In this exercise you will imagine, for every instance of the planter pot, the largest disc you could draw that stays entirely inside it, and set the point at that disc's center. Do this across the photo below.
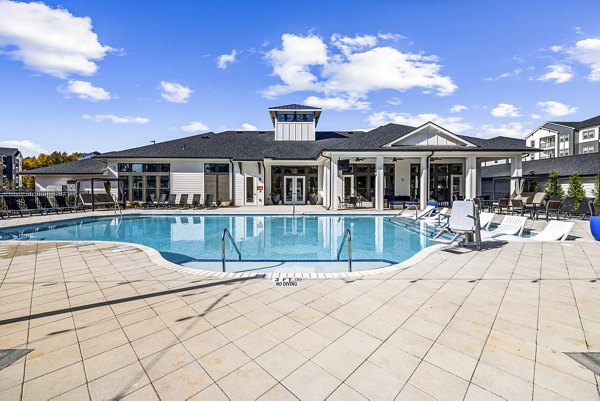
(313, 199)
(275, 199)
(595, 227)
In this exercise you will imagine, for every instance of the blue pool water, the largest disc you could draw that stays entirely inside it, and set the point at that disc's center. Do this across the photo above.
(267, 243)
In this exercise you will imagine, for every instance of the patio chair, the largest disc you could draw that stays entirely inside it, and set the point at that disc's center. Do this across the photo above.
(61, 201)
(517, 207)
(353, 200)
(342, 202)
(150, 200)
(209, 200)
(46, 205)
(552, 209)
(591, 208)
(510, 225)
(183, 201)
(463, 222)
(171, 201)
(12, 206)
(583, 211)
(196, 200)
(566, 208)
(31, 204)
(485, 219)
(554, 231)
(502, 206)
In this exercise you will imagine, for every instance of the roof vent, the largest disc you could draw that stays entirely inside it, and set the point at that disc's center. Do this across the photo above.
(261, 132)
(239, 132)
(205, 137)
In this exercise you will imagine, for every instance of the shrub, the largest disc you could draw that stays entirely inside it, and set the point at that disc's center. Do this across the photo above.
(576, 189)
(596, 189)
(552, 187)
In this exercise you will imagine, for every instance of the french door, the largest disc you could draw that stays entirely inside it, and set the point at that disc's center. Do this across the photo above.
(294, 189)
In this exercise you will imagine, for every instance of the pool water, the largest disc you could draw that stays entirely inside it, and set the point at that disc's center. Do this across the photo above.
(267, 243)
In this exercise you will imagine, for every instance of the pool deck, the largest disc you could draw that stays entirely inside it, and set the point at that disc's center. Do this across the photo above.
(103, 321)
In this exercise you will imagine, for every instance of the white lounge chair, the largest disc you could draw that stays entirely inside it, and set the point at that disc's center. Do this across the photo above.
(414, 214)
(554, 231)
(440, 217)
(463, 220)
(485, 219)
(511, 225)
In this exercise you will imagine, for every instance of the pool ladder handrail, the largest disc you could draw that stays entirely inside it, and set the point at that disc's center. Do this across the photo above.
(228, 234)
(348, 236)
(117, 205)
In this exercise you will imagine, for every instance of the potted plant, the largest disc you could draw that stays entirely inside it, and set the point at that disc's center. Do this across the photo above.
(595, 220)
(275, 196)
(313, 196)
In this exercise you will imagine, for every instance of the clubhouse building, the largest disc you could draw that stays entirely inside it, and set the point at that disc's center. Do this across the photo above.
(300, 164)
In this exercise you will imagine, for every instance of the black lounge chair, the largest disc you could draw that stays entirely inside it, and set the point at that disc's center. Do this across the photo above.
(105, 199)
(47, 206)
(183, 201)
(162, 200)
(31, 204)
(196, 200)
(171, 201)
(61, 201)
(208, 201)
(150, 200)
(12, 206)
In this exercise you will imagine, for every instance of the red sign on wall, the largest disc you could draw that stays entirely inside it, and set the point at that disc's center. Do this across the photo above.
(259, 188)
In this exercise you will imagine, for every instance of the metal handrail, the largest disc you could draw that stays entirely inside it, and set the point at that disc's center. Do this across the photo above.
(347, 235)
(118, 206)
(226, 231)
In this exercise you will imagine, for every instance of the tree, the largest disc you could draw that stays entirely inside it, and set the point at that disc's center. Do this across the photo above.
(576, 189)
(552, 187)
(44, 160)
(596, 189)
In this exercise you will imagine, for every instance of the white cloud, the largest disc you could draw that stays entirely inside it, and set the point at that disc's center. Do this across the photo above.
(578, 30)
(587, 52)
(48, 40)
(175, 92)
(225, 59)
(513, 73)
(505, 110)
(452, 124)
(115, 119)
(559, 73)
(194, 126)
(390, 36)
(513, 130)
(336, 103)
(556, 109)
(348, 45)
(86, 91)
(536, 116)
(306, 63)
(556, 48)
(26, 147)
(395, 101)
(458, 108)
(248, 127)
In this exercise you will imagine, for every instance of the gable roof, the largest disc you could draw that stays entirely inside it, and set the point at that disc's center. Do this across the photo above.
(585, 165)
(294, 106)
(9, 151)
(83, 166)
(435, 126)
(590, 122)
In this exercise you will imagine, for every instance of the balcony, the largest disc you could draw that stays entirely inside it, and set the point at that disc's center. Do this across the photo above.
(547, 145)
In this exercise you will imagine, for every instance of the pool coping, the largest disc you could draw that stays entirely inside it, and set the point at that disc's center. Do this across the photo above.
(156, 258)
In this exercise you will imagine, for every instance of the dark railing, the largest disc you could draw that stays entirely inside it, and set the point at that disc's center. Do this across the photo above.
(69, 196)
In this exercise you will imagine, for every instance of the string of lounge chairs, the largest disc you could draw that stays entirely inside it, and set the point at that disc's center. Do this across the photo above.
(170, 201)
(32, 204)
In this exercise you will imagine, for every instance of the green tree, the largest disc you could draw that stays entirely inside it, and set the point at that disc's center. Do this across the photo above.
(596, 189)
(552, 187)
(576, 189)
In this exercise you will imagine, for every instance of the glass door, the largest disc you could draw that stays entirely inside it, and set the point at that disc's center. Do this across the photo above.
(457, 187)
(348, 186)
(250, 194)
(294, 189)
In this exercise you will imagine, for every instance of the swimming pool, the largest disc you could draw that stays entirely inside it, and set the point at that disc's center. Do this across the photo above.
(267, 243)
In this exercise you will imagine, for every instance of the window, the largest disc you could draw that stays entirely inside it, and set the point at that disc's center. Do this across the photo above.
(142, 180)
(308, 118)
(124, 167)
(136, 168)
(588, 149)
(299, 117)
(281, 118)
(532, 143)
(216, 167)
(290, 117)
(588, 134)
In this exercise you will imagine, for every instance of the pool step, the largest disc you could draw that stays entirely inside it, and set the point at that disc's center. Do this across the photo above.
(303, 266)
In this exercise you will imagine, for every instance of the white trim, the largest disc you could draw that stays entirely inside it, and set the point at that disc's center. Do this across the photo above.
(427, 125)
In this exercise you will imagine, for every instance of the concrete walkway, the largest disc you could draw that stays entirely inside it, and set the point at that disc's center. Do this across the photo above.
(102, 321)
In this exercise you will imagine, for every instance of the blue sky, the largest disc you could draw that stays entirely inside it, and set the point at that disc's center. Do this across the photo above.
(104, 75)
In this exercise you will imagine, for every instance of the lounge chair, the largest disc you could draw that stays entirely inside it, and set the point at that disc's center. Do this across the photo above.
(517, 207)
(510, 225)
(196, 200)
(413, 213)
(503, 205)
(162, 200)
(105, 199)
(552, 209)
(12, 206)
(554, 231)
(61, 201)
(208, 201)
(183, 201)
(485, 219)
(463, 222)
(31, 204)
(170, 201)
(47, 206)
(150, 200)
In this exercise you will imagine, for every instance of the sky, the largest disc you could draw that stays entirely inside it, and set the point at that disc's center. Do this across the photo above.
(110, 75)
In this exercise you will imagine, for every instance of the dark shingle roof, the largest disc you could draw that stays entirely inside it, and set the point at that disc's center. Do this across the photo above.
(9, 151)
(590, 122)
(585, 165)
(294, 107)
(84, 166)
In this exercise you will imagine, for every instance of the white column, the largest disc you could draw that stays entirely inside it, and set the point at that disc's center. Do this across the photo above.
(333, 180)
(379, 183)
(470, 177)
(424, 184)
(516, 172)
(478, 185)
